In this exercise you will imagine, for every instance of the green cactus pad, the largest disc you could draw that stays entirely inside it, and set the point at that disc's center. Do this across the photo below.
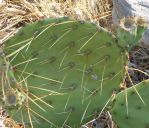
(133, 30)
(7, 79)
(66, 71)
(136, 114)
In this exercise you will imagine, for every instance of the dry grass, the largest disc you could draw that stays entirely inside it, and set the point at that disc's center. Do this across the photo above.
(16, 13)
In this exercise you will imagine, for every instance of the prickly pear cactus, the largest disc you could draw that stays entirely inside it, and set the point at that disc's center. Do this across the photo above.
(65, 71)
(131, 107)
(7, 81)
(131, 26)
